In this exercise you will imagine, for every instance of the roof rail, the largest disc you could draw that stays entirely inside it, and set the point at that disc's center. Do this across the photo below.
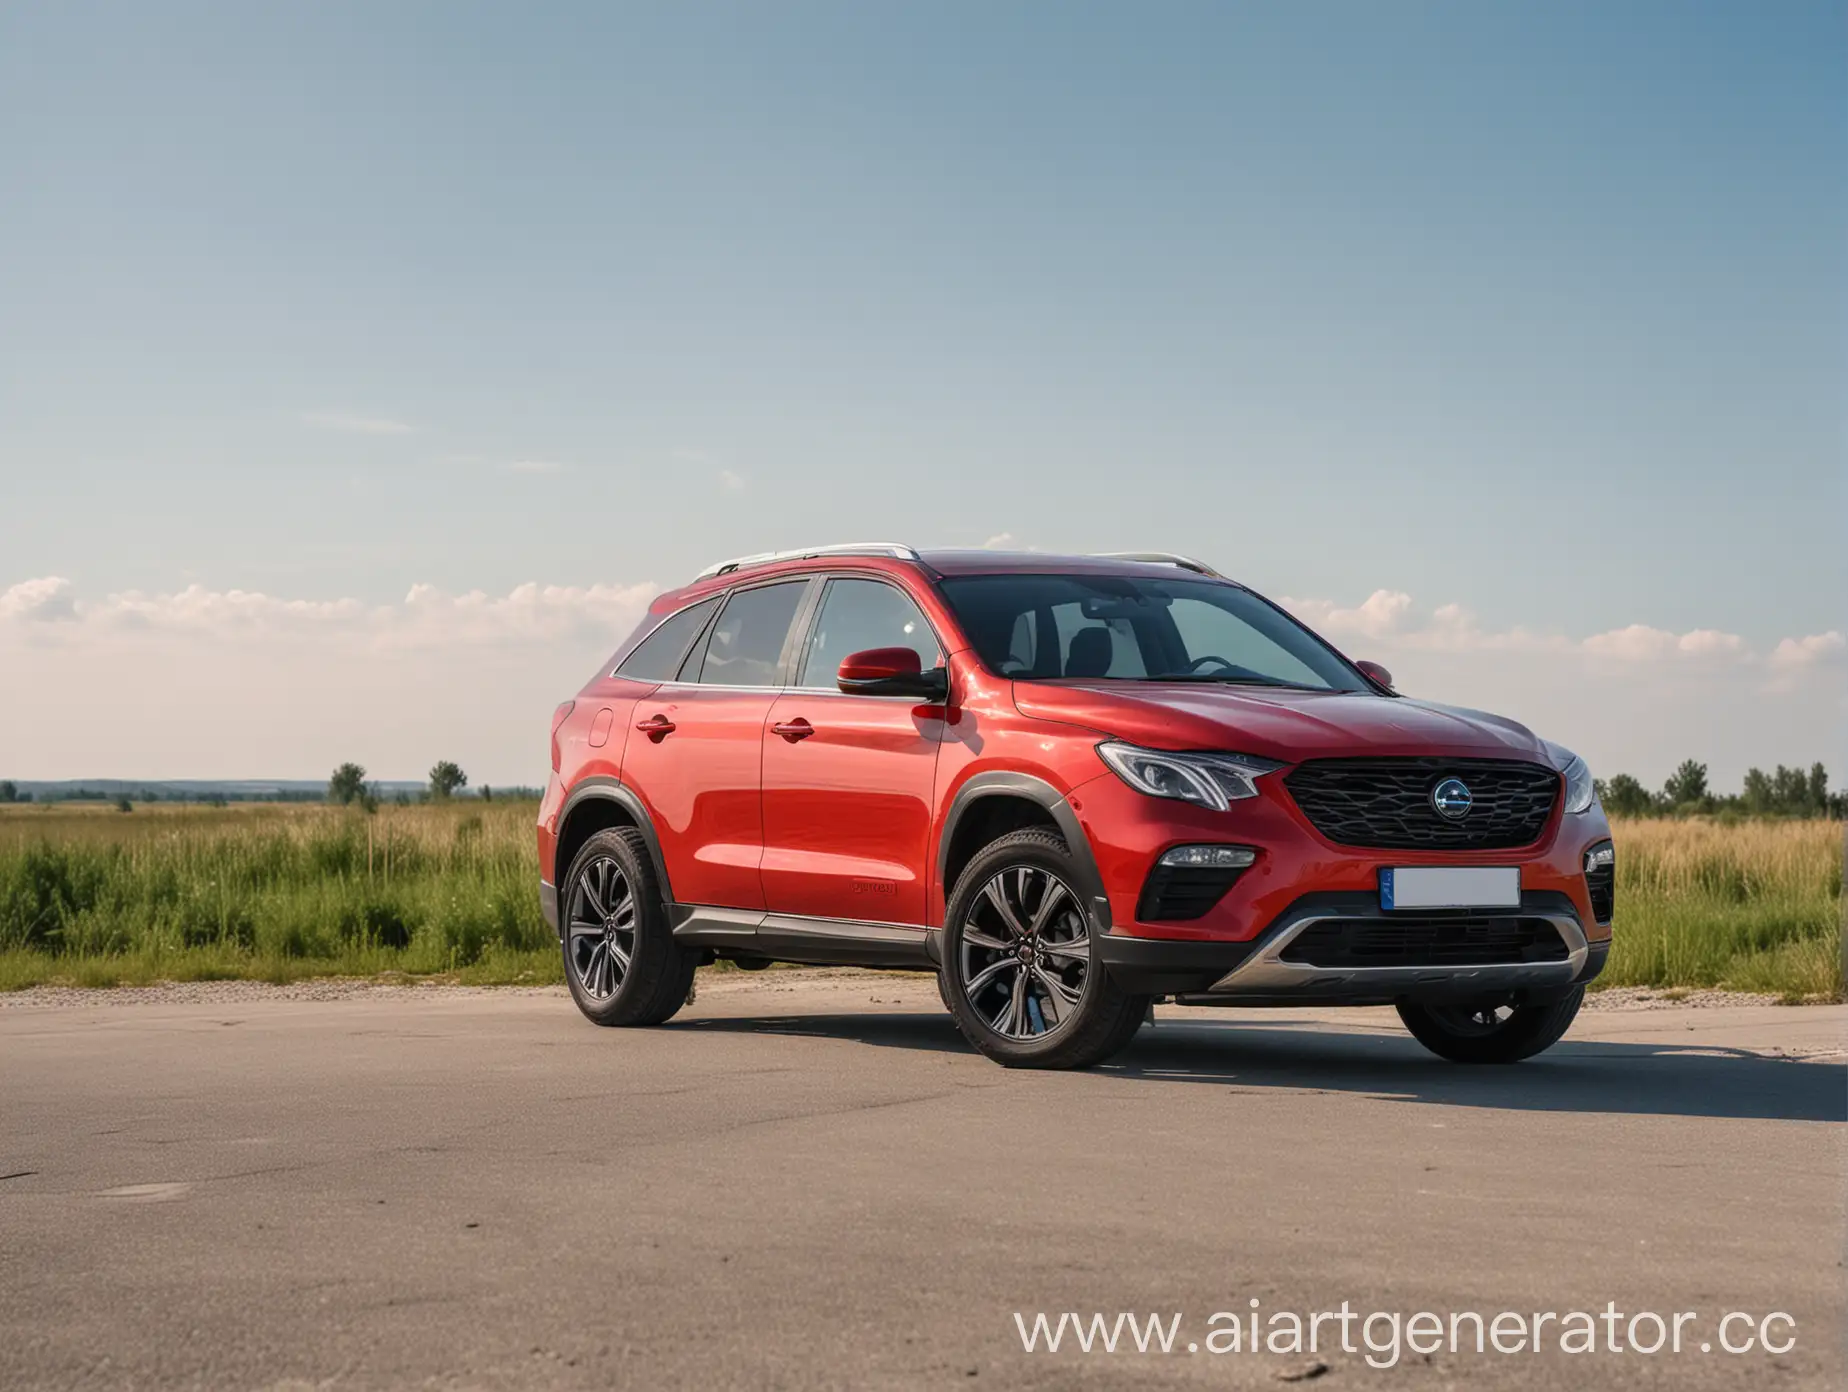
(803, 553)
(1164, 558)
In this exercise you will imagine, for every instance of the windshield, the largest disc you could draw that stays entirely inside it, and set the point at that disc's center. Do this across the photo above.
(1043, 627)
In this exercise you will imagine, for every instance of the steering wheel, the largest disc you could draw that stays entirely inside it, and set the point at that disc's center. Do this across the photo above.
(1200, 662)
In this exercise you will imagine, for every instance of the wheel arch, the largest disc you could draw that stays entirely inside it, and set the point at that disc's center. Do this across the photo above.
(990, 805)
(599, 804)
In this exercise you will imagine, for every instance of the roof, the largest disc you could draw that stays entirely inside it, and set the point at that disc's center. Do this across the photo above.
(950, 561)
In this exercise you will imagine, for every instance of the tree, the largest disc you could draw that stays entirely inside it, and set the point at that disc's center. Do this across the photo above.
(445, 778)
(1688, 784)
(9, 791)
(487, 793)
(1758, 796)
(124, 805)
(1623, 796)
(348, 785)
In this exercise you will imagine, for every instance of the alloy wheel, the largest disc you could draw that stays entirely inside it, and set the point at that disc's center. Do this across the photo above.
(602, 926)
(1026, 953)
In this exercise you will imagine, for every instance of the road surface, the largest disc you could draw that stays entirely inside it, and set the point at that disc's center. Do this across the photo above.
(808, 1180)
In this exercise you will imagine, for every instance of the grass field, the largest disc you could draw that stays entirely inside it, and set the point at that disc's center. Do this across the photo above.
(90, 896)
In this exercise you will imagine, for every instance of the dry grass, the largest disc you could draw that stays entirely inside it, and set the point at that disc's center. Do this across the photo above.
(280, 891)
(1755, 906)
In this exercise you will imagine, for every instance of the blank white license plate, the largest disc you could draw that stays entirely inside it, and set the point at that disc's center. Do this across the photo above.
(1451, 887)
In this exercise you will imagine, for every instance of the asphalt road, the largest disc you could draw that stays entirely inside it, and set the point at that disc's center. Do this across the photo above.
(812, 1182)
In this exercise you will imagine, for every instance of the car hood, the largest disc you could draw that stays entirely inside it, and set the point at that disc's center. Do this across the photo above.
(1274, 722)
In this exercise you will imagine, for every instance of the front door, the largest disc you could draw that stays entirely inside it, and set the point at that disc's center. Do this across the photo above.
(848, 779)
(695, 756)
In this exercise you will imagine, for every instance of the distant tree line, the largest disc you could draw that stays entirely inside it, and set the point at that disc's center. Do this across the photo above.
(1784, 792)
(348, 787)
(10, 792)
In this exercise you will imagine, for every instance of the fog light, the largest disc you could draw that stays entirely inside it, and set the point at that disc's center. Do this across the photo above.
(1210, 857)
(1600, 857)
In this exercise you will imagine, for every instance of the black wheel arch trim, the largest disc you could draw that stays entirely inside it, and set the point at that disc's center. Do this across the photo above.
(608, 789)
(1006, 783)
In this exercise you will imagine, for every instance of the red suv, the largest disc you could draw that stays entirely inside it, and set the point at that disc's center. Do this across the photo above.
(1069, 786)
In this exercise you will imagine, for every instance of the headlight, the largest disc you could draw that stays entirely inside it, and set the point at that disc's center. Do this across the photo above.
(1215, 781)
(1580, 791)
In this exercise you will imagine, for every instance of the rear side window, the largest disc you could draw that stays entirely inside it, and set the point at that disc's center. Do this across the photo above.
(745, 647)
(862, 614)
(657, 657)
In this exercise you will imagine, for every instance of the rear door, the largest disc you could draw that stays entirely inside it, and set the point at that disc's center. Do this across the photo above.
(695, 754)
(848, 779)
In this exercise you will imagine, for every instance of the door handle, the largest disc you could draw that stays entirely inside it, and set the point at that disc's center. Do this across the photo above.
(793, 730)
(656, 727)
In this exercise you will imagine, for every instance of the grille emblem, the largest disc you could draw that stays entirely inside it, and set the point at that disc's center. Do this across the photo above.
(1452, 799)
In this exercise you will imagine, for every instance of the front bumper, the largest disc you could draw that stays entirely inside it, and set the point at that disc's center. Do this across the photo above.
(1128, 832)
(1257, 972)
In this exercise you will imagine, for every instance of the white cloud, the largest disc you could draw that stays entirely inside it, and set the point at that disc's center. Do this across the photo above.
(1641, 643)
(42, 600)
(732, 481)
(355, 424)
(1000, 541)
(535, 466)
(230, 682)
(1382, 613)
(427, 617)
(1796, 654)
(209, 683)
(1388, 620)
(526, 613)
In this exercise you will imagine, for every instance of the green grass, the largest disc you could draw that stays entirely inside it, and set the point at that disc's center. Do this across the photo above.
(92, 897)
(1755, 906)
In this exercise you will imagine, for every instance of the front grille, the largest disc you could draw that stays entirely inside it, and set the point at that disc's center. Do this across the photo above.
(1602, 883)
(1386, 803)
(1174, 892)
(1445, 942)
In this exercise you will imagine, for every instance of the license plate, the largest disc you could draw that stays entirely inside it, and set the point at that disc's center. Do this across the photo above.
(1451, 887)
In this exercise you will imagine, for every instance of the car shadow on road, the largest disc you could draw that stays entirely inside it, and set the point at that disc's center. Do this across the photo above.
(1645, 1079)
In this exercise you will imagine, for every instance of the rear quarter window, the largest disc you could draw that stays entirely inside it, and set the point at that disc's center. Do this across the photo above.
(657, 657)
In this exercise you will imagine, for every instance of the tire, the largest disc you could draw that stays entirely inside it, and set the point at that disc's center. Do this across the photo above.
(647, 975)
(1465, 1033)
(1005, 1004)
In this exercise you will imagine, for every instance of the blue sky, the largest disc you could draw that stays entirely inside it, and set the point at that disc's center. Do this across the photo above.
(1535, 310)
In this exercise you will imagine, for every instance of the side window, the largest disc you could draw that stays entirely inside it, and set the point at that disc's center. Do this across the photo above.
(657, 657)
(861, 614)
(745, 647)
(1097, 647)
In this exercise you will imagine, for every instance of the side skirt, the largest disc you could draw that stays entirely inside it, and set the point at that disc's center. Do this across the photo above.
(820, 942)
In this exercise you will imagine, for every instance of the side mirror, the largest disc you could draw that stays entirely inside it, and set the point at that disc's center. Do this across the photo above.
(1374, 672)
(892, 672)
